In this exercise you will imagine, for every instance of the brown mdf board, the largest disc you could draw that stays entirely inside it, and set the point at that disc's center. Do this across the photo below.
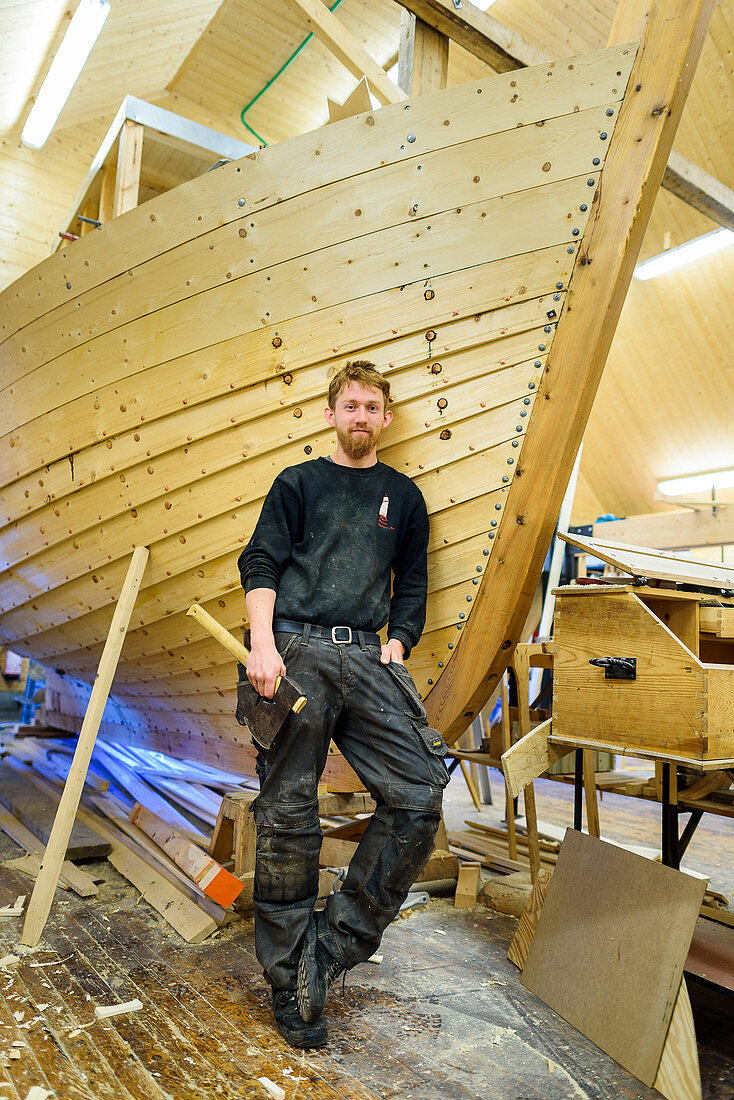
(609, 949)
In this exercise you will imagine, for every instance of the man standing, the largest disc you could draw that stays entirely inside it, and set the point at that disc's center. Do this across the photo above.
(317, 579)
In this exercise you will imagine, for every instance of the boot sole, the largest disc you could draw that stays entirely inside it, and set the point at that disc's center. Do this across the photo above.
(308, 1009)
(296, 1040)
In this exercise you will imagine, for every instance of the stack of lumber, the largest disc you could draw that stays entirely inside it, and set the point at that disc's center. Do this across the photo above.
(489, 845)
(150, 814)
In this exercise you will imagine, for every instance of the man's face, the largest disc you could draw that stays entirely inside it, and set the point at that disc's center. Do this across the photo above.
(359, 415)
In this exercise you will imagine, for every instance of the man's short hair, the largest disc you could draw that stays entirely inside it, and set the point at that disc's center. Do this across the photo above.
(362, 371)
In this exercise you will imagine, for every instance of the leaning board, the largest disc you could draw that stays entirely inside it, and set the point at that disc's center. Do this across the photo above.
(610, 946)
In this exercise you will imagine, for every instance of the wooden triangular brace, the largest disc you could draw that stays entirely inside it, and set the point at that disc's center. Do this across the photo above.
(356, 102)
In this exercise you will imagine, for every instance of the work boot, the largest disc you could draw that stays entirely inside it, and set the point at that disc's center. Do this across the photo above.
(291, 1024)
(317, 969)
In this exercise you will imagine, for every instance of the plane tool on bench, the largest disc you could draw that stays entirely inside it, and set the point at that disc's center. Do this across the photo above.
(265, 716)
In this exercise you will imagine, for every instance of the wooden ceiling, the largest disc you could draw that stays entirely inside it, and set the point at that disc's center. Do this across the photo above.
(663, 408)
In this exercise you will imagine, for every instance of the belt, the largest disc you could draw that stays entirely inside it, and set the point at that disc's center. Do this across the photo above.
(339, 635)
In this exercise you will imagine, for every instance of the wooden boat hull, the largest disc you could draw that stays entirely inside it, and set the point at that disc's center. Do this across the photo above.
(158, 373)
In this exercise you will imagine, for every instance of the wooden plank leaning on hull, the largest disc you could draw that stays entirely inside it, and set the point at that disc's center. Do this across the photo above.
(43, 891)
(304, 163)
(663, 70)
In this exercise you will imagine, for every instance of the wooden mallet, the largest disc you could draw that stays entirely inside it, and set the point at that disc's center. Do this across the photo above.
(265, 716)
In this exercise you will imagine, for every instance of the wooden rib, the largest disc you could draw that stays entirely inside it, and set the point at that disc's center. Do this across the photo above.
(639, 148)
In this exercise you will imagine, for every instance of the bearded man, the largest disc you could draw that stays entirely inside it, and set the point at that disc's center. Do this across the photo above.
(317, 578)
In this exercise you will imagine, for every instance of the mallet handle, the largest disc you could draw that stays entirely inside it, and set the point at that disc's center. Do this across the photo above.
(217, 631)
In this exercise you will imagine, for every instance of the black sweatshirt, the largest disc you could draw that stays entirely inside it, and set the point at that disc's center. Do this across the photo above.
(327, 540)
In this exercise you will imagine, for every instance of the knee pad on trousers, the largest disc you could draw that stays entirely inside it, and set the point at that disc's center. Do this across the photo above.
(287, 852)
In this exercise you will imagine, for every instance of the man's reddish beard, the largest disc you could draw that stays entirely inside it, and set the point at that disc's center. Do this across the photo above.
(357, 446)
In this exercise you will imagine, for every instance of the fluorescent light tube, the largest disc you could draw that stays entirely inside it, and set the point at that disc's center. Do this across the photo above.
(697, 483)
(71, 56)
(685, 253)
(482, 4)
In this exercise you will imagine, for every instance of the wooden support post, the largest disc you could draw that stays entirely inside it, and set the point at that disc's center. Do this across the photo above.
(245, 839)
(471, 785)
(592, 809)
(43, 891)
(106, 194)
(129, 159)
(423, 57)
(506, 743)
(639, 148)
(521, 669)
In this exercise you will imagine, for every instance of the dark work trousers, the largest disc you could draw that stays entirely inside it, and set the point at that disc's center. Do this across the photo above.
(373, 713)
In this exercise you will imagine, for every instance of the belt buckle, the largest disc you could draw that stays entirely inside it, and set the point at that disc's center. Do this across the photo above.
(341, 641)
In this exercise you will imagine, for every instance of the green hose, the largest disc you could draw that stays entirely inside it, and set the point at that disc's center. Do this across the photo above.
(272, 80)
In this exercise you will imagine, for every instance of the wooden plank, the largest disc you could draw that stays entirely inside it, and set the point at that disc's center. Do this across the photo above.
(679, 1076)
(518, 950)
(600, 930)
(530, 757)
(107, 194)
(471, 785)
(142, 792)
(423, 56)
(638, 151)
(215, 881)
(129, 160)
(662, 565)
(245, 837)
(37, 813)
(71, 876)
(672, 530)
(592, 807)
(506, 745)
(40, 903)
(336, 853)
(521, 662)
(568, 742)
(179, 911)
(699, 189)
(345, 47)
(467, 886)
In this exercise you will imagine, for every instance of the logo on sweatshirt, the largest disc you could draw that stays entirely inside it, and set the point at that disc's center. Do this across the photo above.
(382, 514)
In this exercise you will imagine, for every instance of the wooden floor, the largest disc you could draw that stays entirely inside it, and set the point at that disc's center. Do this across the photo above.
(444, 1015)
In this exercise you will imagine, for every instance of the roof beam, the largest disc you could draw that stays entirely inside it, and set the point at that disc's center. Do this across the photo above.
(699, 189)
(673, 530)
(505, 50)
(478, 33)
(345, 47)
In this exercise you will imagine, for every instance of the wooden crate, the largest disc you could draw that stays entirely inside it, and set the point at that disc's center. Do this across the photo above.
(678, 705)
